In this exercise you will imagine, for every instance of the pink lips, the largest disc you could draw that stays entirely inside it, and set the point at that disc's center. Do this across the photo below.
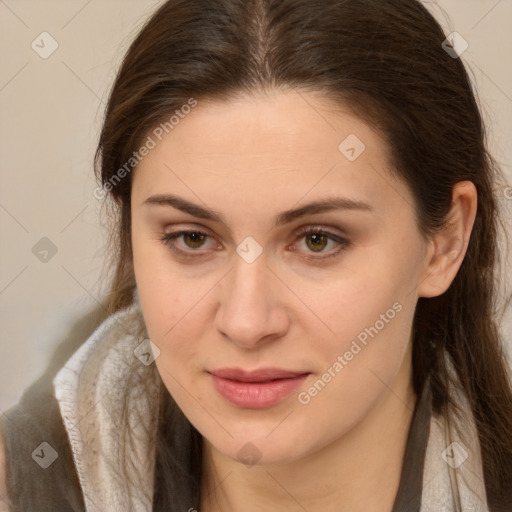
(256, 389)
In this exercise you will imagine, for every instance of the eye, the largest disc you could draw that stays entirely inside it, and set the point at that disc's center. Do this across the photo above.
(193, 239)
(316, 240)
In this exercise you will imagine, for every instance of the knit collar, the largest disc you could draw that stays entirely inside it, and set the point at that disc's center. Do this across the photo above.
(100, 382)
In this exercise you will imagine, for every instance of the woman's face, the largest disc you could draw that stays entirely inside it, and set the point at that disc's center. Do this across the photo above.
(283, 318)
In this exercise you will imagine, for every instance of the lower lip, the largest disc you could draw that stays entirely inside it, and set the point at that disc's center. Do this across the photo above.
(256, 395)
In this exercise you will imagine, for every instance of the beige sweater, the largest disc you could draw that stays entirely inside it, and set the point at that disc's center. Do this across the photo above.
(90, 389)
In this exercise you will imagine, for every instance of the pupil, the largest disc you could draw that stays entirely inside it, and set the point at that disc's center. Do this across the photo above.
(195, 238)
(318, 240)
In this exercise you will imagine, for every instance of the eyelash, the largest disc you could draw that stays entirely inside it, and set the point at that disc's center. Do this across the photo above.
(168, 240)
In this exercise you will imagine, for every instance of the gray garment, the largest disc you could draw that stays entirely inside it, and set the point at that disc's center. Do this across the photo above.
(408, 498)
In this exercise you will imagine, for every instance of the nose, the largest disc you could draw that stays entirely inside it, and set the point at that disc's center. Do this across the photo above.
(251, 310)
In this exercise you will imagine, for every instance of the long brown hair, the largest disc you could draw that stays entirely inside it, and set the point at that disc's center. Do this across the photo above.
(385, 59)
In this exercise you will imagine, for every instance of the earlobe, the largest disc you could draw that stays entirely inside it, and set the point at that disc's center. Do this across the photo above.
(448, 247)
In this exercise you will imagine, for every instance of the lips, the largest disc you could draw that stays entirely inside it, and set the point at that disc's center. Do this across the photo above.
(256, 389)
(263, 375)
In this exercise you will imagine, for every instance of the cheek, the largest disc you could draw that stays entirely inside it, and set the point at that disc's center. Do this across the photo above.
(368, 355)
(172, 310)
(367, 296)
(366, 319)
(167, 301)
(165, 295)
(371, 335)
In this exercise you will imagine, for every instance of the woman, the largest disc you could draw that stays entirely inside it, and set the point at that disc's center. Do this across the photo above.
(301, 314)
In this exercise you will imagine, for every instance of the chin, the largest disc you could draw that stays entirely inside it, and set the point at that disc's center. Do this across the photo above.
(255, 447)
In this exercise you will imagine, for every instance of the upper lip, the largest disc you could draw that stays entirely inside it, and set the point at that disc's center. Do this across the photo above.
(261, 375)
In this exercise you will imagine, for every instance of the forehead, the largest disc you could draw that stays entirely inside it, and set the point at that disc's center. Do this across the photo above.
(268, 149)
(279, 124)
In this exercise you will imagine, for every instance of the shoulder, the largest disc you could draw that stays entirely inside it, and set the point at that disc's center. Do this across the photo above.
(36, 417)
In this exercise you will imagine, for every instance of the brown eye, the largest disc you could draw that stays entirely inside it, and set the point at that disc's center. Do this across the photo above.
(318, 242)
(192, 240)
(196, 239)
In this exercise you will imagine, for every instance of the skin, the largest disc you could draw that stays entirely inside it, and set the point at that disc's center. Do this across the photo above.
(249, 159)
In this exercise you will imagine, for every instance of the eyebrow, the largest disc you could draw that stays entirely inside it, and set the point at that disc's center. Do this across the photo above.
(285, 217)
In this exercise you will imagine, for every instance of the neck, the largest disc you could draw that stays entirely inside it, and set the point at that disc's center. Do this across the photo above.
(358, 472)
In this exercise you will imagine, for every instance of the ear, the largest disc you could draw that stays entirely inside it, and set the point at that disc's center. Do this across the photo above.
(448, 247)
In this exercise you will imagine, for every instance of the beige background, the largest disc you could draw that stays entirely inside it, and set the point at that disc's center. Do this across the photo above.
(51, 111)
